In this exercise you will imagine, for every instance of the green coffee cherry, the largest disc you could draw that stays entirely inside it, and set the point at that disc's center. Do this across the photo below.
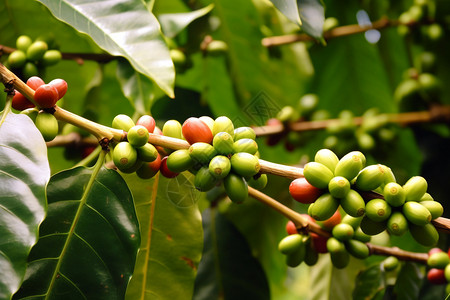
(447, 272)
(204, 180)
(290, 243)
(338, 254)
(36, 50)
(378, 210)
(349, 166)
(179, 161)
(415, 188)
(426, 197)
(370, 227)
(244, 133)
(388, 175)
(397, 224)
(178, 57)
(202, 152)
(223, 124)
(245, 145)
(296, 258)
(137, 165)
(208, 121)
(122, 122)
(426, 235)
(327, 158)
(51, 57)
(353, 204)
(220, 166)
(172, 128)
(330, 23)
(47, 125)
(343, 232)
(259, 183)
(236, 188)
(317, 174)
(30, 70)
(287, 114)
(245, 164)
(365, 141)
(124, 156)
(324, 207)
(394, 194)
(223, 143)
(339, 187)
(435, 208)
(438, 260)
(311, 255)
(138, 136)
(357, 248)
(31, 112)
(147, 153)
(217, 47)
(361, 236)
(370, 178)
(17, 59)
(390, 263)
(416, 213)
(23, 42)
(308, 104)
(352, 221)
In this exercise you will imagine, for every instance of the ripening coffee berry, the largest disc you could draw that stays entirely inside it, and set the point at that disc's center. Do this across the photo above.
(20, 102)
(60, 85)
(148, 122)
(415, 188)
(416, 213)
(17, 59)
(236, 188)
(122, 122)
(317, 174)
(319, 242)
(36, 50)
(202, 152)
(324, 207)
(179, 161)
(302, 191)
(343, 232)
(204, 180)
(46, 96)
(394, 194)
(208, 121)
(291, 228)
(328, 158)
(34, 82)
(47, 125)
(223, 143)
(357, 249)
(290, 243)
(438, 260)
(219, 166)
(245, 164)
(397, 224)
(245, 145)
(124, 156)
(138, 136)
(23, 42)
(149, 169)
(370, 178)
(332, 221)
(195, 130)
(353, 204)
(436, 276)
(165, 171)
(339, 187)
(349, 166)
(133, 168)
(244, 133)
(426, 235)
(223, 124)
(259, 181)
(51, 57)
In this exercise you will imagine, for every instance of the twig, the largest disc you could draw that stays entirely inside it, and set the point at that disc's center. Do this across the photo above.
(397, 252)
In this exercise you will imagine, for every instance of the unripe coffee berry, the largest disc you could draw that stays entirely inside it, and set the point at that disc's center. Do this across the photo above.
(23, 42)
(165, 171)
(370, 178)
(290, 243)
(324, 207)
(378, 210)
(204, 180)
(124, 156)
(236, 188)
(357, 248)
(416, 213)
(223, 143)
(349, 166)
(394, 194)
(147, 153)
(353, 204)
(17, 59)
(37, 50)
(179, 161)
(317, 174)
(219, 166)
(47, 125)
(343, 232)
(245, 145)
(138, 136)
(51, 57)
(245, 164)
(259, 181)
(328, 158)
(339, 187)
(415, 188)
(46, 96)
(223, 124)
(397, 224)
(244, 133)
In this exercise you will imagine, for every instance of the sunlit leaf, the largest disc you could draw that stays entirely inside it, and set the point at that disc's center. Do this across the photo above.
(312, 14)
(289, 8)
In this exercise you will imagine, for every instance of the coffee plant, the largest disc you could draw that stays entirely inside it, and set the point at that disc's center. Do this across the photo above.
(224, 149)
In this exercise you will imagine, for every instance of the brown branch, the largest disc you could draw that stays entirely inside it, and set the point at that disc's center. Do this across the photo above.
(399, 253)
(72, 139)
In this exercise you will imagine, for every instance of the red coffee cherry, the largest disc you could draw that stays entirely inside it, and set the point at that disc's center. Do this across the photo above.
(34, 82)
(195, 130)
(319, 242)
(20, 102)
(60, 85)
(290, 228)
(302, 191)
(436, 276)
(148, 122)
(165, 170)
(46, 96)
(333, 221)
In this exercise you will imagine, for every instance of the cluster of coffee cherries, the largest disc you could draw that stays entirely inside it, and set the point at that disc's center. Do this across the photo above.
(45, 96)
(330, 183)
(31, 56)
(218, 152)
(438, 263)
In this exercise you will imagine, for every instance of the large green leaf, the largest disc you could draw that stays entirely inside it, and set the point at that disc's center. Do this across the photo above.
(408, 282)
(368, 282)
(24, 173)
(124, 28)
(89, 240)
(172, 238)
(228, 270)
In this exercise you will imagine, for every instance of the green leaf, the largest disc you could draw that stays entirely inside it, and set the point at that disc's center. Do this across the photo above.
(24, 174)
(228, 272)
(172, 24)
(312, 14)
(288, 8)
(368, 282)
(89, 240)
(408, 282)
(123, 28)
(172, 238)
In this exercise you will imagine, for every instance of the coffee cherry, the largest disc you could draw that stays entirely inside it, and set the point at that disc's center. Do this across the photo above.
(353, 204)
(317, 174)
(23, 42)
(138, 136)
(245, 164)
(338, 254)
(133, 168)
(47, 125)
(179, 161)
(37, 50)
(370, 178)
(204, 180)
(208, 121)
(352, 221)
(46, 96)
(319, 243)
(34, 82)
(311, 255)
(426, 235)
(259, 181)
(178, 57)
(416, 213)
(296, 258)
(217, 47)
(370, 227)
(378, 210)
(51, 57)
(390, 263)
(60, 85)
(148, 122)
(245, 145)
(31, 113)
(349, 166)
(357, 248)
(415, 188)
(327, 158)
(302, 191)
(20, 102)
(343, 232)
(124, 156)
(394, 194)
(290, 243)
(244, 133)
(149, 169)
(147, 153)
(17, 59)
(436, 276)
(165, 171)
(122, 122)
(202, 152)
(397, 224)
(426, 197)
(307, 104)
(290, 228)
(236, 188)
(172, 128)
(332, 221)
(324, 207)
(438, 260)
(30, 70)
(223, 143)
(339, 187)
(223, 124)
(388, 175)
(435, 208)
(361, 236)
(447, 273)
(219, 166)
(194, 130)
